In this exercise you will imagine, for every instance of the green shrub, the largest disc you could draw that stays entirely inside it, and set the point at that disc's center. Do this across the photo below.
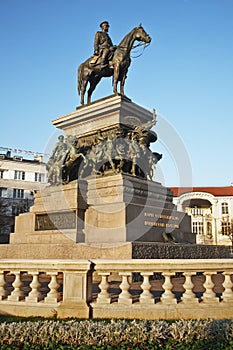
(116, 334)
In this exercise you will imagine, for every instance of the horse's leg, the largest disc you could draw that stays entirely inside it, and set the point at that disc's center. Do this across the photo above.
(93, 82)
(123, 84)
(82, 98)
(83, 90)
(115, 77)
(81, 80)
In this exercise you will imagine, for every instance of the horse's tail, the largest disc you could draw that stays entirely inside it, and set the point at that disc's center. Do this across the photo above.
(80, 78)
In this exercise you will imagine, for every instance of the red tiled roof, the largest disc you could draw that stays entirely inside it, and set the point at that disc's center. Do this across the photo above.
(215, 191)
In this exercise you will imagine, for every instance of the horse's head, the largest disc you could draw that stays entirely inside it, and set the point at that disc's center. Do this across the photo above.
(141, 35)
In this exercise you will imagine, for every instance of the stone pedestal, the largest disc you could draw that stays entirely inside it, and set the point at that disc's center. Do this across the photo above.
(123, 208)
(103, 114)
(100, 216)
(57, 216)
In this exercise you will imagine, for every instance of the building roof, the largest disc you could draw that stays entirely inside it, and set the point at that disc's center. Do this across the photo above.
(21, 159)
(215, 191)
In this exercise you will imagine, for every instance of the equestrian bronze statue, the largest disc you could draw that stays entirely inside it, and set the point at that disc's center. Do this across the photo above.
(116, 64)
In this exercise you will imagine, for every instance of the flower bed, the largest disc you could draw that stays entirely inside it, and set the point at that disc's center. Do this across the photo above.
(117, 334)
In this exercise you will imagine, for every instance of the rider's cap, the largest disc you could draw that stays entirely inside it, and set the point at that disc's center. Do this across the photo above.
(104, 22)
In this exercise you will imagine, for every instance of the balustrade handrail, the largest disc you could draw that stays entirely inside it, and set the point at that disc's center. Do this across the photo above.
(156, 265)
(45, 264)
(115, 265)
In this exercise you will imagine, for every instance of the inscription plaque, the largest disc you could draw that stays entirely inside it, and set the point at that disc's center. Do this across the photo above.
(161, 220)
(55, 221)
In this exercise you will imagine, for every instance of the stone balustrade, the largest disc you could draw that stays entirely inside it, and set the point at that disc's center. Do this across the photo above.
(47, 288)
(164, 289)
(143, 289)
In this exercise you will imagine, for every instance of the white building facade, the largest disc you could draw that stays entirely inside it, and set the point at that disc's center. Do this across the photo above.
(211, 211)
(19, 179)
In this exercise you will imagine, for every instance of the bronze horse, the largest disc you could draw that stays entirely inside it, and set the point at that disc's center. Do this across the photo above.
(117, 67)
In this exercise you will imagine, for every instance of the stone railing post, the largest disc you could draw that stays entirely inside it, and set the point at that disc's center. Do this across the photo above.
(188, 296)
(52, 296)
(77, 286)
(227, 295)
(209, 296)
(3, 292)
(125, 296)
(146, 297)
(16, 294)
(168, 297)
(34, 295)
(104, 296)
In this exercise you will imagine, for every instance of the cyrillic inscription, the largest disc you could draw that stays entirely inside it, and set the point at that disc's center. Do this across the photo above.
(161, 220)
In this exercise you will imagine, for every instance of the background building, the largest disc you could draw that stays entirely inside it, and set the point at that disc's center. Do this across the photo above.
(211, 210)
(19, 179)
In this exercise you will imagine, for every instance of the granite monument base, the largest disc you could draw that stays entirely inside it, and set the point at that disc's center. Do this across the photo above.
(55, 227)
(117, 215)
(124, 208)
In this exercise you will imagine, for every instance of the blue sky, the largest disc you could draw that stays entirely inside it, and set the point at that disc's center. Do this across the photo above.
(186, 74)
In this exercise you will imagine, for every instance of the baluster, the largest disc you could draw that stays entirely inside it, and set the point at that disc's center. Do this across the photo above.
(3, 291)
(227, 295)
(53, 286)
(104, 296)
(209, 296)
(168, 297)
(188, 296)
(146, 297)
(125, 296)
(16, 294)
(34, 295)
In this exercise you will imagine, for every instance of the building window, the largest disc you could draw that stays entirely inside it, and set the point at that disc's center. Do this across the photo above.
(1, 174)
(39, 177)
(17, 193)
(226, 228)
(225, 208)
(19, 175)
(198, 228)
(3, 192)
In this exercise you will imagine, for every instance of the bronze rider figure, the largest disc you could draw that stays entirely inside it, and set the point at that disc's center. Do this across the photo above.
(102, 46)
